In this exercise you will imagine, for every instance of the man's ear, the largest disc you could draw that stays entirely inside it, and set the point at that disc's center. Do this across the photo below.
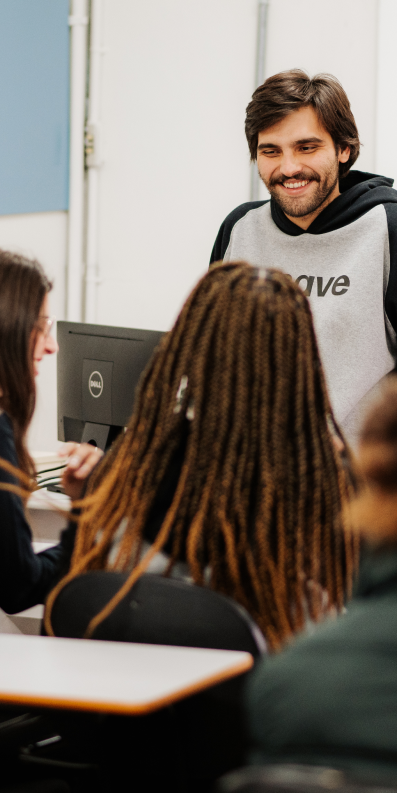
(344, 154)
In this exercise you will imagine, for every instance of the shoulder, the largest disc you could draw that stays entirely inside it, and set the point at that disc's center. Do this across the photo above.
(241, 211)
(224, 233)
(391, 293)
(391, 215)
(364, 635)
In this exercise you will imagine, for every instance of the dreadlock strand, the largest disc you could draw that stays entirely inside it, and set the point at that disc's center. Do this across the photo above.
(278, 451)
(301, 454)
(293, 560)
(264, 523)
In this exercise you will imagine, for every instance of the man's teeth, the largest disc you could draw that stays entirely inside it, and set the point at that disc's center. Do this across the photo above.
(294, 185)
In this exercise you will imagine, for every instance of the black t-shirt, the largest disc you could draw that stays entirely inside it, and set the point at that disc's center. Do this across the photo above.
(26, 578)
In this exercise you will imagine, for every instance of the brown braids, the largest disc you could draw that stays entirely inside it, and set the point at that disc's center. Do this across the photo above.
(256, 509)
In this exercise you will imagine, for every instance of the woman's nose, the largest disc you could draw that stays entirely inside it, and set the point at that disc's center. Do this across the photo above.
(51, 345)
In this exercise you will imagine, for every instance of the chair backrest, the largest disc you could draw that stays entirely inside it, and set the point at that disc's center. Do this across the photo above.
(293, 778)
(157, 610)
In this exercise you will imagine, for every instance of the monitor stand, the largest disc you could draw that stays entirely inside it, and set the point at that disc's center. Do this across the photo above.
(101, 435)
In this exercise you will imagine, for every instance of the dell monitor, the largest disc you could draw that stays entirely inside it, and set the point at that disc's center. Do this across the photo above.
(98, 371)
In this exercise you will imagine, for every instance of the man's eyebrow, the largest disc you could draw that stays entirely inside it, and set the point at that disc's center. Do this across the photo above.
(268, 146)
(300, 142)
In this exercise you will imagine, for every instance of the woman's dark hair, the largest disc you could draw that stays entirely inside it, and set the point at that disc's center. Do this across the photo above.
(257, 505)
(23, 286)
(288, 91)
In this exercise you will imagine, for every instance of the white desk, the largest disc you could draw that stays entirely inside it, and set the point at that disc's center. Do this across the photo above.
(112, 677)
(42, 511)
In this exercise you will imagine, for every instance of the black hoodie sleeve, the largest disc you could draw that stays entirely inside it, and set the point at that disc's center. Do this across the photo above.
(25, 577)
(224, 233)
(391, 292)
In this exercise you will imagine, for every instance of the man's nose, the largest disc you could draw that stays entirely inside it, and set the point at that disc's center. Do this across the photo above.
(290, 164)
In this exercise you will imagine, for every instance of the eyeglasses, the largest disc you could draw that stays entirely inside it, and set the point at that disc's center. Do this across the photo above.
(45, 324)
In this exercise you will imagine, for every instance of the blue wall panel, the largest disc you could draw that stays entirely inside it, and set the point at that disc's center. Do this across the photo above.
(34, 105)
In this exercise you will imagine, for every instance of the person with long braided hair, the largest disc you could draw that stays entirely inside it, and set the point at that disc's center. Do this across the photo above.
(228, 463)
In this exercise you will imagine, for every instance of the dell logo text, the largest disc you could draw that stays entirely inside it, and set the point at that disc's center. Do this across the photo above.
(95, 384)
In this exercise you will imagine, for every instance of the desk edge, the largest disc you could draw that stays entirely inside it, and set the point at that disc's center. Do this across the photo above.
(127, 709)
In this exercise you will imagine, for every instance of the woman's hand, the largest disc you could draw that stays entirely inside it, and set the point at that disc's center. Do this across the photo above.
(81, 460)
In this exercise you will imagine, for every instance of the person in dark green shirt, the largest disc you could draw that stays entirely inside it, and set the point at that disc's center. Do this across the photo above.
(331, 698)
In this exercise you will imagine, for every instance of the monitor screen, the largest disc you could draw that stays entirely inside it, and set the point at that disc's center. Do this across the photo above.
(98, 371)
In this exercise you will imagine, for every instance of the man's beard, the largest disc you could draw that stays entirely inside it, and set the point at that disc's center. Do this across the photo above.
(299, 207)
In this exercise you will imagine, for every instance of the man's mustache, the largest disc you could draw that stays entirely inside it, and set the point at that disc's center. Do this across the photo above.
(297, 177)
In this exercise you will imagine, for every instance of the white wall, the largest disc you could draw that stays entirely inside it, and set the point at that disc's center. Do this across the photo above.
(42, 235)
(338, 37)
(176, 79)
(386, 105)
(177, 76)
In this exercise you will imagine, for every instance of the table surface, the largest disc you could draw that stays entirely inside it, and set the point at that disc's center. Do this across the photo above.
(112, 677)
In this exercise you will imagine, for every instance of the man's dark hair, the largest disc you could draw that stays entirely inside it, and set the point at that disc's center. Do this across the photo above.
(288, 91)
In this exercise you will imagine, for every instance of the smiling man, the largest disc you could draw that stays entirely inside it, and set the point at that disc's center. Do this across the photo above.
(332, 229)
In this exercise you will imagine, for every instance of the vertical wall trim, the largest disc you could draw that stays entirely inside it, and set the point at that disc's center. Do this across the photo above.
(78, 22)
(259, 79)
(386, 91)
(93, 160)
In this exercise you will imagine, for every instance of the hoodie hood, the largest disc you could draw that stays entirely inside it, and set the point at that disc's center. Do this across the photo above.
(360, 192)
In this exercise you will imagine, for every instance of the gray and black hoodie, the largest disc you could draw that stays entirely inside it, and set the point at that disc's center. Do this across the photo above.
(347, 263)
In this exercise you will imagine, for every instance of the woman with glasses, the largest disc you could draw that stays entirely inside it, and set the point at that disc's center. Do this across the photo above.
(25, 338)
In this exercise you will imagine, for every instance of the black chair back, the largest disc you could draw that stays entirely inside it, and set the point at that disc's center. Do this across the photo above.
(157, 610)
(200, 737)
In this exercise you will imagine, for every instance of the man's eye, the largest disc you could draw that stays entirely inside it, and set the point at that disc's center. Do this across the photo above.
(308, 148)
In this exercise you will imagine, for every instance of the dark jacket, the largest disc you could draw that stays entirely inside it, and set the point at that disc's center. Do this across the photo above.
(25, 577)
(331, 698)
